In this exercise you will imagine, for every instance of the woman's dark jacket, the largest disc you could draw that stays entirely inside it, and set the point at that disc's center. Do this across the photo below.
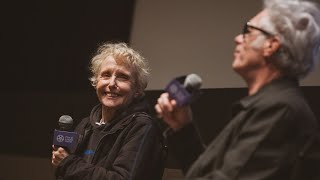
(130, 148)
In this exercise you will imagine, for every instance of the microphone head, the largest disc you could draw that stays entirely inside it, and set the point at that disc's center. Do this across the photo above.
(192, 82)
(184, 89)
(65, 123)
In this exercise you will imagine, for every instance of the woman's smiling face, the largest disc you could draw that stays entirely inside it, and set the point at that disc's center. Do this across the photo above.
(115, 84)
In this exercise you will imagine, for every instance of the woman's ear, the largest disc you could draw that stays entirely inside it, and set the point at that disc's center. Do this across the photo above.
(137, 94)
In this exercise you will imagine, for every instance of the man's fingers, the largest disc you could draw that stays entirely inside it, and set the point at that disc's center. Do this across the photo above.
(164, 103)
(158, 110)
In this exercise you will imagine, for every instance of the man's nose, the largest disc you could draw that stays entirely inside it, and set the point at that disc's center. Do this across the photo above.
(239, 39)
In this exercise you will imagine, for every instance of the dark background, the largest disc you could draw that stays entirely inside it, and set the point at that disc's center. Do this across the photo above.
(46, 48)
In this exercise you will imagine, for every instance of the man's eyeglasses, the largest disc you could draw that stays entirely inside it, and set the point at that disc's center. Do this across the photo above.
(247, 26)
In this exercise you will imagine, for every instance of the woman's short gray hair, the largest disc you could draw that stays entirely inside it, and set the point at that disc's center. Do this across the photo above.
(297, 24)
(126, 55)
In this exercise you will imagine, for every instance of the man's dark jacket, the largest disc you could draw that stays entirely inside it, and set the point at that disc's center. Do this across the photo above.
(261, 142)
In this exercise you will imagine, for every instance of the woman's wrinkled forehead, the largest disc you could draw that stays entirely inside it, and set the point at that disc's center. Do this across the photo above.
(123, 61)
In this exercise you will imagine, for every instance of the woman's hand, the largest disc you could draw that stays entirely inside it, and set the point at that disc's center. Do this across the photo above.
(58, 154)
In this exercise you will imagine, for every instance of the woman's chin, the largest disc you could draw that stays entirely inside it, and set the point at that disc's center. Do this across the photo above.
(111, 104)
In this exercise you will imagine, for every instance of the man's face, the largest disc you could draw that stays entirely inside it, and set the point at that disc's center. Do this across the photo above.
(248, 54)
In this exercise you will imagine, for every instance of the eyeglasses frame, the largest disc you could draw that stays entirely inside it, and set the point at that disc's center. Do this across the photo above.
(248, 25)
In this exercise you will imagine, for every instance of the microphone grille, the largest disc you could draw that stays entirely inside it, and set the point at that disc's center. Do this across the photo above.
(66, 119)
(193, 81)
(65, 123)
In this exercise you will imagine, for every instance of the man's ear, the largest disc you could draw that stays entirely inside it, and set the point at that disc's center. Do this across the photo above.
(271, 46)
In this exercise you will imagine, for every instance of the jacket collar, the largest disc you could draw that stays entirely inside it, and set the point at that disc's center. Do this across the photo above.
(271, 88)
(122, 119)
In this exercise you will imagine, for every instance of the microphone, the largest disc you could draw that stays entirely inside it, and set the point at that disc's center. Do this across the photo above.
(64, 137)
(184, 89)
(65, 123)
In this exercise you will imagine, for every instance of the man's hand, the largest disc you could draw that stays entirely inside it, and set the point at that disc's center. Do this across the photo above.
(176, 117)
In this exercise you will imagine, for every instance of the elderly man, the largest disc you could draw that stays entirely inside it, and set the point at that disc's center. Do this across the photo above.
(278, 47)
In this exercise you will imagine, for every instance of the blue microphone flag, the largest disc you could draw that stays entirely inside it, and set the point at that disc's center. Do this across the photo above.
(65, 139)
(178, 92)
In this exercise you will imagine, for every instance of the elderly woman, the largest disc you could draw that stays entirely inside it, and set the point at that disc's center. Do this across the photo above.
(119, 140)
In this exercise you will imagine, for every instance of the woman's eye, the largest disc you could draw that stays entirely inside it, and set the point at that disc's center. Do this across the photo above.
(106, 75)
(123, 77)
